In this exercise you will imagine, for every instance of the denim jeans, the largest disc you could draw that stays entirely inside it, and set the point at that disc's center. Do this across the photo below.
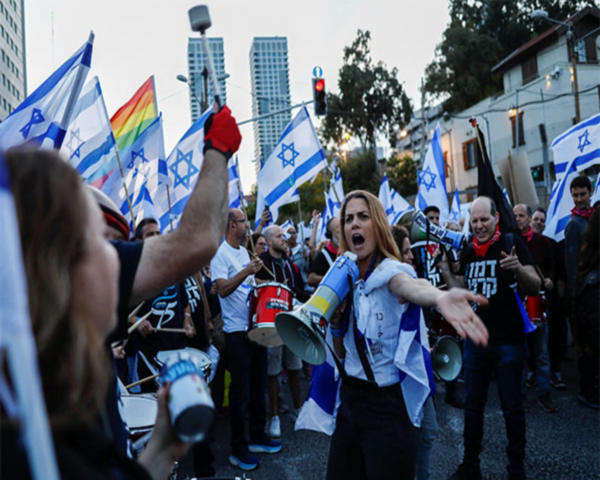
(429, 431)
(508, 362)
(248, 368)
(538, 343)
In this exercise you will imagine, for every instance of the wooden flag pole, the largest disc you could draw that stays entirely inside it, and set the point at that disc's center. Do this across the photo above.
(170, 211)
(125, 187)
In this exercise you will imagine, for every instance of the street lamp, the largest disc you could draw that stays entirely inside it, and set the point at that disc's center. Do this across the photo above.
(202, 104)
(542, 14)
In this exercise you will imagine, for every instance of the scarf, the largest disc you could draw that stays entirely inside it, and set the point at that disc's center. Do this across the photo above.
(332, 248)
(482, 248)
(582, 213)
(528, 235)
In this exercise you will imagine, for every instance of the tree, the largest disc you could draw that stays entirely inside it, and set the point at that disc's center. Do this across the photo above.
(481, 33)
(402, 175)
(371, 99)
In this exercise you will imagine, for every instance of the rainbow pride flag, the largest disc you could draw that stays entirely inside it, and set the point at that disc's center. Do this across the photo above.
(135, 116)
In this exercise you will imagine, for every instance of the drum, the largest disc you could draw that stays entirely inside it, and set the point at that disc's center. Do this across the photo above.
(139, 414)
(536, 309)
(203, 359)
(439, 327)
(266, 301)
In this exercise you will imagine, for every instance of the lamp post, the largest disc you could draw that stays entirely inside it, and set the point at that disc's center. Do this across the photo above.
(202, 103)
(542, 14)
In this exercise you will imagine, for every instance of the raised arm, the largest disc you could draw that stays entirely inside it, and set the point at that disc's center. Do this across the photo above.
(171, 258)
(453, 304)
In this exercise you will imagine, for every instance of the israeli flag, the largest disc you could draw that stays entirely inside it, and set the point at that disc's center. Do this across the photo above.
(328, 213)
(432, 179)
(260, 207)
(146, 177)
(184, 165)
(26, 403)
(43, 117)
(235, 196)
(320, 408)
(561, 204)
(596, 195)
(285, 226)
(455, 214)
(297, 158)
(90, 144)
(336, 188)
(385, 197)
(401, 206)
(580, 144)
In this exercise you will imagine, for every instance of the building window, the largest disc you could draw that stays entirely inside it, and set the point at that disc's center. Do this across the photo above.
(470, 154)
(529, 69)
(513, 119)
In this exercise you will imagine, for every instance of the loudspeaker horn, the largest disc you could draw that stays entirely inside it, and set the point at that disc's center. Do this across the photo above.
(303, 329)
(422, 229)
(446, 359)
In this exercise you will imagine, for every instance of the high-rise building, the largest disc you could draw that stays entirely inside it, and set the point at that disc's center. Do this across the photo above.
(13, 86)
(198, 77)
(270, 74)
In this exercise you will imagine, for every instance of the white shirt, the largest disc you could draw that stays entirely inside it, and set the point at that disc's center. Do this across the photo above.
(225, 265)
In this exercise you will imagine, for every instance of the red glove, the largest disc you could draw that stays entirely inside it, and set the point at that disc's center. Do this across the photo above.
(221, 133)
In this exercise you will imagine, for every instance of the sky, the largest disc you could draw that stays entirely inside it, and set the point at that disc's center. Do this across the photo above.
(135, 39)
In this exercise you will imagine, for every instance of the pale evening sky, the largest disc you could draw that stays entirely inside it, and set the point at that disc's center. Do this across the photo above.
(139, 38)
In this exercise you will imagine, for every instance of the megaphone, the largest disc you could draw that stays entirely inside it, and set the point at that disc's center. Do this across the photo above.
(303, 329)
(446, 359)
(422, 229)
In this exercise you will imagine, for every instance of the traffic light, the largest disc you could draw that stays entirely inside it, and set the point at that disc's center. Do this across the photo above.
(319, 97)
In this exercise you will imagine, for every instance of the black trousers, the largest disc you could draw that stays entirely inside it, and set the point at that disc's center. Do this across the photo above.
(374, 438)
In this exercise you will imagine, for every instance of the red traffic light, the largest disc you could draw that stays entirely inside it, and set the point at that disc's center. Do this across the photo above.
(320, 85)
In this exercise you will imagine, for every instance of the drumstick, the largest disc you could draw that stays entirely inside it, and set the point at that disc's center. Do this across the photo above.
(254, 255)
(143, 380)
(131, 329)
(171, 330)
(135, 311)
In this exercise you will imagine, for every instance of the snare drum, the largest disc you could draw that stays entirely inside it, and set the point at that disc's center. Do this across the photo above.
(536, 309)
(139, 414)
(266, 301)
(203, 359)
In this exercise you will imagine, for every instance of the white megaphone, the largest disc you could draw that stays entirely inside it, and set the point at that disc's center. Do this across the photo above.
(446, 359)
(303, 329)
(422, 229)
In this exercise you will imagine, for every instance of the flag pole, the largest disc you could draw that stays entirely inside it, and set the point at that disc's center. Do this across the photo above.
(125, 187)
(170, 211)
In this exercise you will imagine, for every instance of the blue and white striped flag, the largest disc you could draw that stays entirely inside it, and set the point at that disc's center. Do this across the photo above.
(260, 207)
(17, 342)
(581, 144)
(401, 206)
(89, 145)
(385, 197)
(184, 165)
(561, 204)
(43, 117)
(455, 214)
(319, 410)
(336, 188)
(235, 196)
(296, 159)
(596, 195)
(285, 226)
(432, 179)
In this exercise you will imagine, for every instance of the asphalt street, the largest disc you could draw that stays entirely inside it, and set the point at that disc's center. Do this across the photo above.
(564, 445)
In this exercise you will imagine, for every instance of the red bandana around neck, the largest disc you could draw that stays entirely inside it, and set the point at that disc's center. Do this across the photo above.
(332, 248)
(582, 213)
(528, 235)
(482, 248)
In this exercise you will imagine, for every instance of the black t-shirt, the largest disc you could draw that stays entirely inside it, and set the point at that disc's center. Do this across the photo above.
(192, 289)
(321, 265)
(425, 264)
(167, 309)
(485, 276)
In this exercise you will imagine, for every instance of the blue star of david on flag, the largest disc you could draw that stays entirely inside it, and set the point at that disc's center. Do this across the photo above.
(186, 158)
(282, 156)
(75, 139)
(135, 155)
(36, 117)
(432, 176)
(585, 142)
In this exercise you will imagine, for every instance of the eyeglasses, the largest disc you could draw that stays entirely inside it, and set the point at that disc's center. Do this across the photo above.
(291, 232)
(243, 220)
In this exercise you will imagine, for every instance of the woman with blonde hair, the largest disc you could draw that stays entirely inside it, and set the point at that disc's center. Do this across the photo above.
(72, 281)
(386, 381)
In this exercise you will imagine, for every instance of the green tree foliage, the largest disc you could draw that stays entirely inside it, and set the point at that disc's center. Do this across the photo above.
(402, 175)
(371, 99)
(481, 33)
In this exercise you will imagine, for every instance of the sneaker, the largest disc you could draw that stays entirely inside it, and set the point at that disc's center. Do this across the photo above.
(531, 380)
(467, 471)
(557, 382)
(265, 446)
(588, 401)
(545, 404)
(245, 461)
(275, 428)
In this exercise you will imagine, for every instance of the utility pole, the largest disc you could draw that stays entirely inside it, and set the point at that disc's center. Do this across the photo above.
(423, 127)
(573, 55)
